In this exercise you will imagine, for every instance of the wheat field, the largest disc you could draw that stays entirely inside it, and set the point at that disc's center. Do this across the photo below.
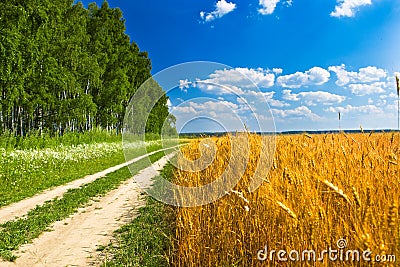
(319, 189)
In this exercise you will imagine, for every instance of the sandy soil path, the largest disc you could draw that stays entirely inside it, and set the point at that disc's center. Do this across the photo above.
(74, 240)
(22, 207)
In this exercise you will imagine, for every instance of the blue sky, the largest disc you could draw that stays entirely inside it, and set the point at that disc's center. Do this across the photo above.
(310, 59)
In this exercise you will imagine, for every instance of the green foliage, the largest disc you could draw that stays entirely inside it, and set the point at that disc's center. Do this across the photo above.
(65, 68)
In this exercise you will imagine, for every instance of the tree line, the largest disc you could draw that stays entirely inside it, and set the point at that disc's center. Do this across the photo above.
(64, 67)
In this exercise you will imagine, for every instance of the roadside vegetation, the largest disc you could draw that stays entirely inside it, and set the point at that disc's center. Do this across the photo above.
(15, 233)
(23, 173)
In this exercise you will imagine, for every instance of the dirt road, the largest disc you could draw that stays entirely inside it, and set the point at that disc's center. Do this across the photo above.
(74, 240)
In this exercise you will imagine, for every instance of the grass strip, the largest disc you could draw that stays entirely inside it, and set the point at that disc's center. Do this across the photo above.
(146, 241)
(15, 233)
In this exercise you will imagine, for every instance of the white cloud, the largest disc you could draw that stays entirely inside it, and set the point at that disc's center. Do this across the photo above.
(277, 70)
(235, 81)
(277, 103)
(184, 85)
(206, 108)
(267, 6)
(312, 98)
(287, 95)
(214, 105)
(241, 100)
(391, 107)
(268, 97)
(240, 77)
(346, 8)
(222, 7)
(214, 87)
(367, 109)
(381, 102)
(391, 95)
(301, 111)
(289, 2)
(184, 110)
(364, 75)
(314, 76)
(367, 89)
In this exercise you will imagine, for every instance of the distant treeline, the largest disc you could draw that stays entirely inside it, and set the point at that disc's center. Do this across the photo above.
(64, 67)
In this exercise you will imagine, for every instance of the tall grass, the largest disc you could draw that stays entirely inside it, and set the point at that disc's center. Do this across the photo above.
(321, 188)
(34, 140)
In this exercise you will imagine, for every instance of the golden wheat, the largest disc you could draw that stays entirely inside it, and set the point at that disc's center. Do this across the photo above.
(303, 203)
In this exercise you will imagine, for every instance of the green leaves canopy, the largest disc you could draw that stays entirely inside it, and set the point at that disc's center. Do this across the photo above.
(67, 68)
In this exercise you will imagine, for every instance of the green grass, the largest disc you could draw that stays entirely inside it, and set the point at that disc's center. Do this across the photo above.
(147, 240)
(34, 140)
(24, 173)
(15, 233)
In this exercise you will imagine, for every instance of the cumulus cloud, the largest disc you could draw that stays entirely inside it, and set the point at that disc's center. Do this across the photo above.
(367, 89)
(267, 6)
(268, 97)
(312, 98)
(277, 103)
(214, 87)
(364, 75)
(184, 85)
(236, 81)
(214, 105)
(207, 108)
(391, 95)
(277, 70)
(287, 95)
(314, 76)
(365, 81)
(347, 8)
(240, 77)
(184, 110)
(367, 109)
(301, 111)
(222, 7)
